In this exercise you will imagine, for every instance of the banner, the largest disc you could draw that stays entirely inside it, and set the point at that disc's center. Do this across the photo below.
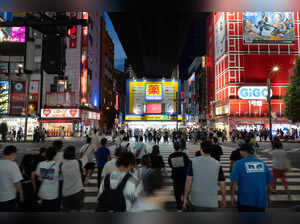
(4, 86)
(60, 113)
(220, 37)
(268, 27)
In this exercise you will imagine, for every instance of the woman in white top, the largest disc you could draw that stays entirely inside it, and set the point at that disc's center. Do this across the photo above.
(48, 173)
(279, 159)
(71, 171)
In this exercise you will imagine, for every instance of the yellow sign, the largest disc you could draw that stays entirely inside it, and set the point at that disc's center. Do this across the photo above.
(152, 118)
(141, 92)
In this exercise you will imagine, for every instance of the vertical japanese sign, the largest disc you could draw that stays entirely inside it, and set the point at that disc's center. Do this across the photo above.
(73, 32)
(84, 60)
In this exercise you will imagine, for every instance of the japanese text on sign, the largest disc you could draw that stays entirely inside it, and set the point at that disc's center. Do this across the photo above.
(153, 92)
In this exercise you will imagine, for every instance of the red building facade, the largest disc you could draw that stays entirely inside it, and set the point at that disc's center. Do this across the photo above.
(234, 63)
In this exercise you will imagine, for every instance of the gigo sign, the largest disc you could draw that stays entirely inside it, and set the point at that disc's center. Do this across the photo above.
(254, 92)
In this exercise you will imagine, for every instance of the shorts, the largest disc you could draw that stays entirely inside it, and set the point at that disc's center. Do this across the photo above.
(90, 166)
(73, 202)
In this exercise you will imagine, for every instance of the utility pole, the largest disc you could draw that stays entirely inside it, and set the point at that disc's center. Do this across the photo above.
(26, 106)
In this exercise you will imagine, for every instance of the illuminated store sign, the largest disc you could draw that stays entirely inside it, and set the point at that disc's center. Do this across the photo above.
(60, 113)
(253, 92)
(153, 92)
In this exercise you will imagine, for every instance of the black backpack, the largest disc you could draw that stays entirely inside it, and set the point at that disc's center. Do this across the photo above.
(112, 200)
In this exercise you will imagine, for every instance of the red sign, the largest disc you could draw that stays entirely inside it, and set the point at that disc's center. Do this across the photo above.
(154, 108)
(60, 113)
(84, 61)
(73, 32)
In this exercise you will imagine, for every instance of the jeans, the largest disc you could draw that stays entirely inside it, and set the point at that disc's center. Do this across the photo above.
(246, 208)
(8, 206)
(179, 184)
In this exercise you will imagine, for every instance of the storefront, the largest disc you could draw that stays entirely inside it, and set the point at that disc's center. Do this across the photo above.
(74, 121)
(19, 122)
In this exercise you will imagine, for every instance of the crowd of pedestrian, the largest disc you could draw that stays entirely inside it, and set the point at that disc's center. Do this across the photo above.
(133, 178)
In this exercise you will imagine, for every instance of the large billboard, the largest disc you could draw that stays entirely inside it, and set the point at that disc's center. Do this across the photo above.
(11, 34)
(220, 43)
(268, 27)
(144, 97)
(4, 85)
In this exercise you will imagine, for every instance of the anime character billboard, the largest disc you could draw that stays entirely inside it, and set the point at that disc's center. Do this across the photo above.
(269, 27)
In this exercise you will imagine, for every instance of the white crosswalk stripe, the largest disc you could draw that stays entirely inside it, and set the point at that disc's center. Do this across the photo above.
(293, 179)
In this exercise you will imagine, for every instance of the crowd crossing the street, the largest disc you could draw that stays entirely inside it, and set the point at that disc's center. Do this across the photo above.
(135, 173)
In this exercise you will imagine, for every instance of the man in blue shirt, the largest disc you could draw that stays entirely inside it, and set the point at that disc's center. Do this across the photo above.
(102, 156)
(254, 179)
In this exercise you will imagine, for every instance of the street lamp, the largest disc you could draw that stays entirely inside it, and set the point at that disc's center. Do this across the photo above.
(274, 69)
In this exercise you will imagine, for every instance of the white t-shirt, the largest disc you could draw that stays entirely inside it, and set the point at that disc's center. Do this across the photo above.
(131, 191)
(59, 157)
(126, 145)
(109, 167)
(48, 173)
(84, 149)
(10, 174)
(72, 182)
(278, 158)
(139, 146)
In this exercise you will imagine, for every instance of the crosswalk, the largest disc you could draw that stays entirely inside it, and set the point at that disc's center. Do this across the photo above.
(279, 200)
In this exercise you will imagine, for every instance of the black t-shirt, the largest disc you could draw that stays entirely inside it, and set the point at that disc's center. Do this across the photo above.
(235, 156)
(157, 162)
(216, 152)
(179, 162)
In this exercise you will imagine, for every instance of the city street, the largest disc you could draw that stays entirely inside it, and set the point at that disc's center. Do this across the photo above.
(279, 200)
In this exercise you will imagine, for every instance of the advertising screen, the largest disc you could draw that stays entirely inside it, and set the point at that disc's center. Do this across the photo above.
(220, 37)
(154, 108)
(4, 85)
(268, 27)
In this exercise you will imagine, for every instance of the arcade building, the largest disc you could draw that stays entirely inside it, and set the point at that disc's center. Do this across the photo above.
(244, 49)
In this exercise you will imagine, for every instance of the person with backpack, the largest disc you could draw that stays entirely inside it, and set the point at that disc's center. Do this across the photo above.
(119, 190)
(90, 165)
(48, 175)
(125, 145)
(102, 157)
(72, 176)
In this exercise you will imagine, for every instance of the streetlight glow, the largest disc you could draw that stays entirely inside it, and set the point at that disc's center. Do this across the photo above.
(275, 69)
